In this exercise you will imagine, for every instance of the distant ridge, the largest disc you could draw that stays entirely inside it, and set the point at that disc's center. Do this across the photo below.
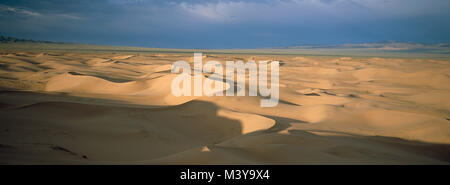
(6, 39)
(378, 49)
(383, 45)
(380, 46)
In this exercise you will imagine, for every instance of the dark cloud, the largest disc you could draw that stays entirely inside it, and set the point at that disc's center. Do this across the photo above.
(226, 23)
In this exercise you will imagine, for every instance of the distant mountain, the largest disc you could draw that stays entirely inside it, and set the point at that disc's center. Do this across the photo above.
(384, 45)
(6, 39)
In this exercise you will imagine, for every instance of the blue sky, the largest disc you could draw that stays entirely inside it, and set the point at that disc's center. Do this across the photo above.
(226, 23)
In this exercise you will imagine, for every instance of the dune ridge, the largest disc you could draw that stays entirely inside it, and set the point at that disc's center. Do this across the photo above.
(117, 108)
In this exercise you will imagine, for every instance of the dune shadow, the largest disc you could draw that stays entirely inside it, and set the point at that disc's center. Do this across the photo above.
(431, 150)
(115, 80)
(281, 123)
(144, 132)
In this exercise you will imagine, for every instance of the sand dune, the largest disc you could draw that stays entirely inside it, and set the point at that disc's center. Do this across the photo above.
(117, 108)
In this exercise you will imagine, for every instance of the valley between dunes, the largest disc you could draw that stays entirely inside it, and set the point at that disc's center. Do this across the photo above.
(64, 107)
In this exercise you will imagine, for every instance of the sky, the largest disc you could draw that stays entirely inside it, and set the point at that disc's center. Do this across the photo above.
(226, 23)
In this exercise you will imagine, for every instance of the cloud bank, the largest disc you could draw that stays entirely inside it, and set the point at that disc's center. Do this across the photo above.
(227, 23)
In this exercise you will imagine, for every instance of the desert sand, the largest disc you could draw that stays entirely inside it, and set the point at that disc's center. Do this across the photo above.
(68, 107)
